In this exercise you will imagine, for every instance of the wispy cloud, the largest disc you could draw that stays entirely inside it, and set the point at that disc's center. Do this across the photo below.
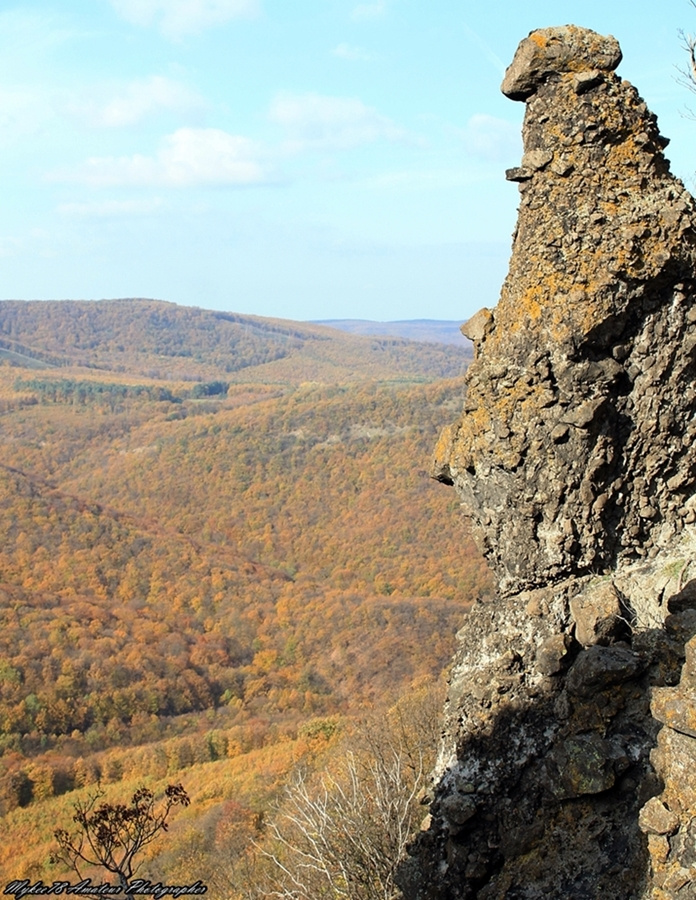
(116, 107)
(189, 157)
(23, 111)
(364, 11)
(9, 246)
(425, 179)
(27, 37)
(176, 18)
(355, 54)
(315, 121)
(112, 208)
(488, 138)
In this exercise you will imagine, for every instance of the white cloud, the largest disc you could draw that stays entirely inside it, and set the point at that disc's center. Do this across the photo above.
(175, 18)
(10, 246)
(314, 121)
(23, 111)
(187, 158)
(355, 54)
(111, 208)
(135, 102)
(27, 38)
(365, 11)
(488, 138)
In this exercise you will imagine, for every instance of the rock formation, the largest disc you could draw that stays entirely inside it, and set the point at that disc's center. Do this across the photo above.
(575, 460)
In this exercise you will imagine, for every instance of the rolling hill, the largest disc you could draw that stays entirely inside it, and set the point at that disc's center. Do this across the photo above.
(213, 531)
(161, 340)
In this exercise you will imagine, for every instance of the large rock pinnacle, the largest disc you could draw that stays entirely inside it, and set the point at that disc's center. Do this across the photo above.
(581, 399)
(575, 459)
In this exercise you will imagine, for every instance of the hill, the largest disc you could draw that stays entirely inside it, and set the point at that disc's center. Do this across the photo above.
(160, 340)
(195, 570)
(435, 331)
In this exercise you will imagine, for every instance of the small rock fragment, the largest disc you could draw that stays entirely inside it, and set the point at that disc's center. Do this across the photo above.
(552, 657)
(478, 326)
(655, 818)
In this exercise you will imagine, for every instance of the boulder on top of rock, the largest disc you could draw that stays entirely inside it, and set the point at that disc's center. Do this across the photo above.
(559, 51)
(575, 460)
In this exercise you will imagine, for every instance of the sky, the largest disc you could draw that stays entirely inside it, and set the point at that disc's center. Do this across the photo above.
(303, 159)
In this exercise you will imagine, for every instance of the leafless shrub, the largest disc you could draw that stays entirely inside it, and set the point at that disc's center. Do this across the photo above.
(340, 835)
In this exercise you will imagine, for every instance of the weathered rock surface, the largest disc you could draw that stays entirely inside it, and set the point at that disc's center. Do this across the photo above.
(575, 460)
(670, 821)
(575, 450)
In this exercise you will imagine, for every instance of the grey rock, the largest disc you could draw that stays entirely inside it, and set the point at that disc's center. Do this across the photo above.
(478, 326)
(676, 708)
(655, 818)
(536, 159)
(561, 167)
(575, 463)
(458, 808)
(592, 289)
(585, 81)
(599, 668)
(553, 656)
(553, 51)
(581, 765)
(597, 614)
(585, 413)
(520, 173)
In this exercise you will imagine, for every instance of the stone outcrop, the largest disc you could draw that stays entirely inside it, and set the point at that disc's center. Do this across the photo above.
(568, 762)
(580, 404)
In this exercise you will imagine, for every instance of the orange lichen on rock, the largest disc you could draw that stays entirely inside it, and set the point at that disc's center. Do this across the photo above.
(556, 51)
(604, 234)
(575, 462)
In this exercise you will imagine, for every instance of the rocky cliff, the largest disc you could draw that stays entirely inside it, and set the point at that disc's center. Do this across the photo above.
(568, 762)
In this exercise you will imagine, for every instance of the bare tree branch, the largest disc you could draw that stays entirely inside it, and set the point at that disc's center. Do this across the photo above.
(688, 73)
(111, 836)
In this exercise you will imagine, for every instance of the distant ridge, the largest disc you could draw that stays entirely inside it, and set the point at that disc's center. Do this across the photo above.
(161, 340)
(432, 331)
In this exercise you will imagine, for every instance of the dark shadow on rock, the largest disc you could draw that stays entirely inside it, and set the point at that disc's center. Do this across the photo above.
(548, 776)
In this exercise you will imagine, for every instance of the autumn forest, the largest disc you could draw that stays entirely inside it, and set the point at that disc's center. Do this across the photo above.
(221, 556)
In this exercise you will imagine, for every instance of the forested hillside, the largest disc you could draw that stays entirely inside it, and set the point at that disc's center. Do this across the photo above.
(165, 341)
(190, 570)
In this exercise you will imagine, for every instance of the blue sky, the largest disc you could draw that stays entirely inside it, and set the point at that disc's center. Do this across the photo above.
(298, 158)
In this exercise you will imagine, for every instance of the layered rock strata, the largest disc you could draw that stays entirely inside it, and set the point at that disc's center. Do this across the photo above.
(575, 460)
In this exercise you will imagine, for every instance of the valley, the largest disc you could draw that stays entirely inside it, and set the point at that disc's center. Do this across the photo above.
(220, 548)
